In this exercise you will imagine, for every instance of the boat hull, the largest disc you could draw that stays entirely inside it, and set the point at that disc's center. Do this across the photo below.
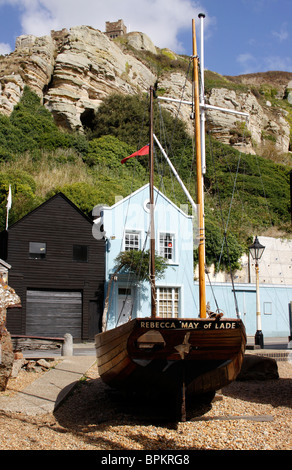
(163, 355)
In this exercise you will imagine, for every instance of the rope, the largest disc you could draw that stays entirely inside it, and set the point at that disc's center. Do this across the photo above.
(225, 241)
(229, 212)
(130, 280)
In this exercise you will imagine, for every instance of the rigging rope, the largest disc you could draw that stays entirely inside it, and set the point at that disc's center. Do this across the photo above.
(130, 281)
(225, 226)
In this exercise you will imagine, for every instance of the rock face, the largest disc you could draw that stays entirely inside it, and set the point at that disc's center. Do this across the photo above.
(88, 67)
(140, 41)
(264, 123)
(8, 298)
(289, 92)
(32, 63)
(74, 70)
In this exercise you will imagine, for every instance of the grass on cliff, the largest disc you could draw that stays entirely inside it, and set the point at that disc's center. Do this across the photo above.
(38, 160)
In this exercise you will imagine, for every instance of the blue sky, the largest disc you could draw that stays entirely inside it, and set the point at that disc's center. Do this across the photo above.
(241, 36)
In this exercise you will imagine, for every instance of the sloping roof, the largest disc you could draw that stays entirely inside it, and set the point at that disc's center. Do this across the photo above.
(127, 198)
(41, 207)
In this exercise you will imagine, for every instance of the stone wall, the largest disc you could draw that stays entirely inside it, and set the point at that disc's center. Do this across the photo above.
(275, 265)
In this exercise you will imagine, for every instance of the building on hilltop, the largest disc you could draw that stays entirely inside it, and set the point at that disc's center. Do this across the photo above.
(115, 29)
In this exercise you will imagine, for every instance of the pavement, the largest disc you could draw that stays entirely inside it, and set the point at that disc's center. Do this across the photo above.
(45, 394)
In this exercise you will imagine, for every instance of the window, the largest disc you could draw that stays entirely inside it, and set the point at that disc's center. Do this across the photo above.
(124, 291)
(132, 241)
(37, 250)
(167, 302)
(267, 308)
(80, 253)
(166, 246)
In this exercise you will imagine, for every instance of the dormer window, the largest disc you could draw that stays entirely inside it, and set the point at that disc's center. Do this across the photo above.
(132, 240)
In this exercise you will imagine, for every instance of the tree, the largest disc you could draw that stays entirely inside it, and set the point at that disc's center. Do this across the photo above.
(137, 263)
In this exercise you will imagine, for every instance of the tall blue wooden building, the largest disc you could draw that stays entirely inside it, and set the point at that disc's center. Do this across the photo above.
(126, 226)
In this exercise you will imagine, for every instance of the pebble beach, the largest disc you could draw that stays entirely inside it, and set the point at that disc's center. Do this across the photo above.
(249, 415)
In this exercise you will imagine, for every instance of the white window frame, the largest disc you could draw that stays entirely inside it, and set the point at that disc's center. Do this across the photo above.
(132, 246)
(268, 308)
(172, 291)
(173, 259)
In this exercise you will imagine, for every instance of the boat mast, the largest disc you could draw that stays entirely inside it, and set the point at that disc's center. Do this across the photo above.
(200, 186)
(152, 229)
(202, 96)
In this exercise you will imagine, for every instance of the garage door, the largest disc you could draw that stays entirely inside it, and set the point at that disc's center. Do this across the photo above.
(53, 313)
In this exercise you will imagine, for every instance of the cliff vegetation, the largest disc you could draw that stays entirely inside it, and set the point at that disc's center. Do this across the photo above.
(39, 159)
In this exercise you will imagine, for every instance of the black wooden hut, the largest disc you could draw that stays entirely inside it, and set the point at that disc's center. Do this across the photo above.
(57, 269)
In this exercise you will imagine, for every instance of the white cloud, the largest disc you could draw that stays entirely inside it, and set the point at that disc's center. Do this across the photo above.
(161, 20)
(5, 48)
(252, 64)
(283, 34)
(247, 62)
(278, 63)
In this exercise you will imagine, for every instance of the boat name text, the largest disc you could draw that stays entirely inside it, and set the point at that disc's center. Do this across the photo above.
(211, 325)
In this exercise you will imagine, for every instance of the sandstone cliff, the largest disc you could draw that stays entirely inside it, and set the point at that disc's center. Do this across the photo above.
(266, 123)
(74, 70)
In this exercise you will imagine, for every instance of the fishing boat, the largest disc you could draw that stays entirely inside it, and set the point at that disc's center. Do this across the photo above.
(177, 358)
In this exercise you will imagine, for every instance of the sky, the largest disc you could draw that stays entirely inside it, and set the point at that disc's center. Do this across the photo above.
(241, 36)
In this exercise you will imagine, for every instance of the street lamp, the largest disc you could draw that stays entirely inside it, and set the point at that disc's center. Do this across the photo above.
(256, 250)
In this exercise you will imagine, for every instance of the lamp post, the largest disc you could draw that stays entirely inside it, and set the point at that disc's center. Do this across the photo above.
(256, 250)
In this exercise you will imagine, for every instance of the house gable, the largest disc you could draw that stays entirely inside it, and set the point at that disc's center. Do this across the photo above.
(132, 213)
(59, 196)
(145, 191)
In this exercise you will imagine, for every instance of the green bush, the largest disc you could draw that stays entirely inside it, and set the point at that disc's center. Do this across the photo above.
(31, 127)
(23, 195)
(262, 186)
(127, 119)
(83, 195)
(107, 151)
(228, 250)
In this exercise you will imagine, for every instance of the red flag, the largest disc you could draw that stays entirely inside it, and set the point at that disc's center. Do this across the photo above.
(142, 151)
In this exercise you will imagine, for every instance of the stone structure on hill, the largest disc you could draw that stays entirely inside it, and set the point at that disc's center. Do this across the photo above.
(115, 29)
(72, 71)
